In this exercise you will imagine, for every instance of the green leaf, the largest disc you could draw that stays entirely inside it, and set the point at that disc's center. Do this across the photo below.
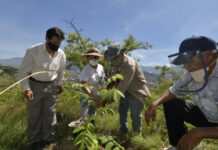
(95, 144)
(103, 140)
(78, 129)
(79, 142)
(109, 146)
(110, 94)
(120, 93)
(102, 113)
(113, 78)
(90, 127)
(90, 136)
(110, 111)
(109, 81)
(79, 137)
(116, 97)
(119, 76)
(103, 94)
(88, 144)
(82, 147)
(90, 102)
(110, 138)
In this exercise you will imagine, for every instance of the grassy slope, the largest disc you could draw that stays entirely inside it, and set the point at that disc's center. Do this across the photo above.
(13, 124)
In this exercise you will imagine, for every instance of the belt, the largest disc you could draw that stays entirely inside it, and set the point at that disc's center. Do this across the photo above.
(32, 79)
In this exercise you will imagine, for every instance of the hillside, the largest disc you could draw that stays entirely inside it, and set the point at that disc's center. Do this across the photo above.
(13, 123)
(151, 74)
(8, 70)
(14, 62)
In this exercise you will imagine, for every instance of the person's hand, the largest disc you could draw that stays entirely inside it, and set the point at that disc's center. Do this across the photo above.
(189, 140)
(97, 99)
(59, 89)
(28, 94)
(106, 101)
(150, 113)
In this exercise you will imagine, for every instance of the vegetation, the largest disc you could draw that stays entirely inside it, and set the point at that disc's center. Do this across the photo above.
(7, 70)
(77, 44)
(105, 134)
(13, 123)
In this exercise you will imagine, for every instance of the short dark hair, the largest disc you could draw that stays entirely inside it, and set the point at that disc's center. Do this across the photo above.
(55, 31)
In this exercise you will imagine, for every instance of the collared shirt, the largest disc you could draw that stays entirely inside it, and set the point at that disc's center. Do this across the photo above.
(93, 77)
(134, 80)
(38, 59)
(206, 99)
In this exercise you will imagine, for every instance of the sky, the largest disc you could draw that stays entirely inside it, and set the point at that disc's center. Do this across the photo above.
(162, 23)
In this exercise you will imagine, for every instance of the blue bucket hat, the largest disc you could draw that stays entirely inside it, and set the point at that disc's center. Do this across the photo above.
(113, 50)
(192, 46)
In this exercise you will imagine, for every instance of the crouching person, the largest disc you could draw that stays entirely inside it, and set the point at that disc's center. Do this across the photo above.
(198, 55)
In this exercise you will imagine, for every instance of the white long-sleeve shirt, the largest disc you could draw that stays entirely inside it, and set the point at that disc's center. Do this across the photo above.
(93, 77)
(38, 59)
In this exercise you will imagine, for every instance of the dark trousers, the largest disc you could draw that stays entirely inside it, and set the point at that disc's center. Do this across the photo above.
(178, 111)
(136, 107)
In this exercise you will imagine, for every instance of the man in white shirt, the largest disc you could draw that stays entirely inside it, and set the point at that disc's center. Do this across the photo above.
(41, 90)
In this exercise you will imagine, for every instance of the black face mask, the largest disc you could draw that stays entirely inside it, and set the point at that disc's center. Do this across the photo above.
(53, 47)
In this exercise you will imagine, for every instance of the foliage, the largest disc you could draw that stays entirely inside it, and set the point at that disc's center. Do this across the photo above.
(77, 44)
(109, 143)
(12, 116)
(132, 44)
(13, 122)
(8, 70)
(153, 142)
(105, 134)
(86, 138)
(169, 72)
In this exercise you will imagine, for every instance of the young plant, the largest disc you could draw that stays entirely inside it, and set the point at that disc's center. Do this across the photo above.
(86, 138)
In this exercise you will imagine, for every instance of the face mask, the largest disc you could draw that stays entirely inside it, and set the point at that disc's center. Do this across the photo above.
(53, 47)
(93, 62)
(199, 75)
(116, 63)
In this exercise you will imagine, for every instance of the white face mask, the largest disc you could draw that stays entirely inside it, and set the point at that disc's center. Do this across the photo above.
(199, 75)
(93, 62)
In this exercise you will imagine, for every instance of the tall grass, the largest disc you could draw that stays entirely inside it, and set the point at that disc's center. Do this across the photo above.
(13, 122)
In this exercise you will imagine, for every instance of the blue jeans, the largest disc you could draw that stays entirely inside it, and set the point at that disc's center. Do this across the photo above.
(86, 108)
(136, 107)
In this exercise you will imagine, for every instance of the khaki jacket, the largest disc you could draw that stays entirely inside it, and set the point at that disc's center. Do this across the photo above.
(134, 80)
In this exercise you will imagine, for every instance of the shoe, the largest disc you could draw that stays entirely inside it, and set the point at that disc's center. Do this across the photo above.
(170, 148)
(78, 122)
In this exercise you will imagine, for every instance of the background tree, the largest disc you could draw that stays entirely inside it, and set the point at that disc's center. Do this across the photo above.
(77, 44)
(169, 73)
